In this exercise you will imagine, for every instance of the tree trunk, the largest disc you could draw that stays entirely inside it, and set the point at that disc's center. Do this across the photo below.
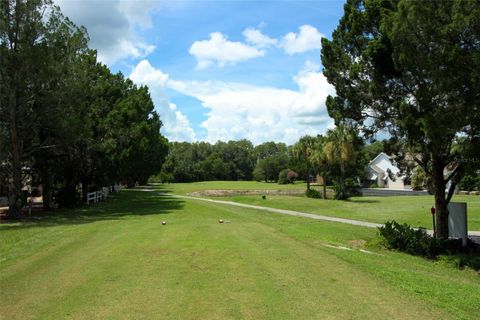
(441, 209)
(14, 193)
(324, 178)
(341, 183)
(341, 189)
(85, 185)
(15, 181)
(308, 180)
(68, 193)
(47, 192)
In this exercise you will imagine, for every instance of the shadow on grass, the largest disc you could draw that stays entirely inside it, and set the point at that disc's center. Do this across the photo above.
(131, 202)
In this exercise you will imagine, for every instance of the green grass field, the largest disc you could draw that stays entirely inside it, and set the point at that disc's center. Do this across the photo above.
(115, 260)
(184, 188)
(414, 210)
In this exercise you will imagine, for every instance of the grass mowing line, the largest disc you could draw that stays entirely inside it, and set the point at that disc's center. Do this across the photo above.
(287, 212)
(443, 286)
(342, 290)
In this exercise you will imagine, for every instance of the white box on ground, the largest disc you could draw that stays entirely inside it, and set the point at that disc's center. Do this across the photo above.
(457, 221)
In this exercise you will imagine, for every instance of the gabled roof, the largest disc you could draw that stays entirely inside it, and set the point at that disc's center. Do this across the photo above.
(381, 154)
(376, 168)
(382, 164)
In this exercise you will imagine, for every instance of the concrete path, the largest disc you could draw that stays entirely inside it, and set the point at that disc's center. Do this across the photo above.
(473, 234)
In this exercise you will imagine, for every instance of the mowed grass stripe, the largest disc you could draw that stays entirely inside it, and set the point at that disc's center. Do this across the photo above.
(442, 286)
(129, 266)
(319, 279)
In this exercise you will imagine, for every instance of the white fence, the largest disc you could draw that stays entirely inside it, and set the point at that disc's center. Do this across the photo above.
(102, 194)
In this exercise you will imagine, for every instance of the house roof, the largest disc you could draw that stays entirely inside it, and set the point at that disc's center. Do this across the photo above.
(376, 169)
(382, 164)
(381, 154)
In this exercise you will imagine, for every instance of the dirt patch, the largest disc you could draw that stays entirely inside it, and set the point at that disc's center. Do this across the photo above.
(223, 193)
(357, 243)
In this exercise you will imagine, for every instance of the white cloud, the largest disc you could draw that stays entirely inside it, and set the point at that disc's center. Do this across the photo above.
(111, 26)
(218, 49)
(257, 38)
(237, 110)
(176, 126)
(138, 11)
(307, 39)
(144, 73)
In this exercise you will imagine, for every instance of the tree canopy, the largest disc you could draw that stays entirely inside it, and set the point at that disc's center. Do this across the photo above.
(411, 68)
(202, 161)
(302, 152)
(340, 156)
(65, 119)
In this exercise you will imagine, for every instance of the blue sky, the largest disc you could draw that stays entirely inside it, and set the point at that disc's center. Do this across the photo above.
(219, 70)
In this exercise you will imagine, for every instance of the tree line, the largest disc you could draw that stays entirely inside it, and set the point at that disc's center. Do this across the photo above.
(339, 157)
(66, 121)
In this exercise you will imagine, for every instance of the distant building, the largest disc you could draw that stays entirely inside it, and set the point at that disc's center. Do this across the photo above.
(385, 173)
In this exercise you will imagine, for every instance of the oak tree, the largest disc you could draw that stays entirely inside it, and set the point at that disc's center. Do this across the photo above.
(411, 68)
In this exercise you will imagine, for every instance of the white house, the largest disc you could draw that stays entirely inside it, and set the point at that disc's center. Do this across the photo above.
(382, 169)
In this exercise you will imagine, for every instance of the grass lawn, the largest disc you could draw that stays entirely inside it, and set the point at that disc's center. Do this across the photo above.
(115, 260)
(184, 188)
(414, 210)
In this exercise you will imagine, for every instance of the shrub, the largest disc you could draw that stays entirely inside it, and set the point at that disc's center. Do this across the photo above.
(292, 176)
(352, 187)
(287, 176)
(418, 179)
(166, 177)
(163, 177)
(404, 238)
(282, 177)
(346, 192)
(469, 183)
(154, 179)
(259, 174)
(312, 193)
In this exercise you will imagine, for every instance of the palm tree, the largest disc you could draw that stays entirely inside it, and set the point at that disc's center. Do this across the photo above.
(318, 159)
(339, 154)
(302, 151)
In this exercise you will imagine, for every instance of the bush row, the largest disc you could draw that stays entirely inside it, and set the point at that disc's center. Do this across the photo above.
(403, 237)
